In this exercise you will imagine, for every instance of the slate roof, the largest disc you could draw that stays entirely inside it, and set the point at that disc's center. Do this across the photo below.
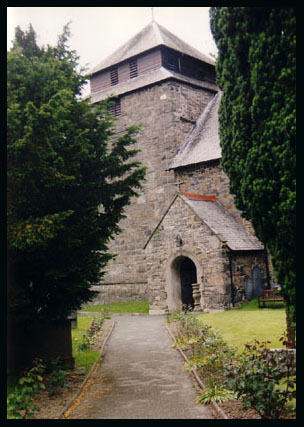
(203, 142)
(149, 37)
(220, 221)
(145, 80)
(224, 225)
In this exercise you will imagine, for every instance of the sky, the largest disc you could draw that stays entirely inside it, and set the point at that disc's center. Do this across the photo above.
(96, 32)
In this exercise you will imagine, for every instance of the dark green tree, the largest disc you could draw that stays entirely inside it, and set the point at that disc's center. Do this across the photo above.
(69, 180)
(256, 70)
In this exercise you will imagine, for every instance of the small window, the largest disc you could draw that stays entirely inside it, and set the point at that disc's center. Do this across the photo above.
(114, 76)
(133, 68)
(115, 107)
(172, 62)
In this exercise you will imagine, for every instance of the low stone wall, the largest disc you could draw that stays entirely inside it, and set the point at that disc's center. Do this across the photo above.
(120, 293)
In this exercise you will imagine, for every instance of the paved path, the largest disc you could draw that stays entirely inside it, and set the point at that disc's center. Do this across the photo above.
(140, 377)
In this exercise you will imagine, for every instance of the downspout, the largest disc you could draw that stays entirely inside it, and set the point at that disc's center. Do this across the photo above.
(267, 267)
(231, 278)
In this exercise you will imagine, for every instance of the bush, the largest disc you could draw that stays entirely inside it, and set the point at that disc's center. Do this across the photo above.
(264, 379)
(257, 378)
(20, 403)
(90, 334)
(56, 377)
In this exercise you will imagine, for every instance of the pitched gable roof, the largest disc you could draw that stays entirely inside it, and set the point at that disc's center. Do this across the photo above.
(149, 37)
(224, 225)
(203, 142)
(220, 222)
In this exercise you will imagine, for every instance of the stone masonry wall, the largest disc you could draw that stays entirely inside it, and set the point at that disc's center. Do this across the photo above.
(209, 254)
(210, 178)
(201, 245)
(166, 112)
(120, 293)
(242, 268)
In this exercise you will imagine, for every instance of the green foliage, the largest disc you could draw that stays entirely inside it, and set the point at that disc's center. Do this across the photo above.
(209, 352)
(69, 180)
(56, 378)
(20, 403)
(216, 394)
(257, 375)
(262, 378)
(84, 358)
(256, 70)
(89, 336)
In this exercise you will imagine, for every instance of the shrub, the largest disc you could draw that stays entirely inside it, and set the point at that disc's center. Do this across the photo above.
(257, 378)
(215, 394)
(56, 378)
(90, 334)
(20, 403)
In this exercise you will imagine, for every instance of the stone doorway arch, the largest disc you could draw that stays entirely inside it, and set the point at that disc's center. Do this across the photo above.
(183, 269)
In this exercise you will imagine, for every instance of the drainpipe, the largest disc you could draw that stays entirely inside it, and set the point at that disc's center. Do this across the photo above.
(231, 277)
(267, 268)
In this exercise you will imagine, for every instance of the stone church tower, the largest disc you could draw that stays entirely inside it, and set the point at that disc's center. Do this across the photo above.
(176, 232)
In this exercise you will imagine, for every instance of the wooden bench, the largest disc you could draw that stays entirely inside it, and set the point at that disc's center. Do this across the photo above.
(269, 295)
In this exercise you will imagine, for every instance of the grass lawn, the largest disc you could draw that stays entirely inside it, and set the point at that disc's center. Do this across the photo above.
(238, 326)
(86, 358)
(121, 307)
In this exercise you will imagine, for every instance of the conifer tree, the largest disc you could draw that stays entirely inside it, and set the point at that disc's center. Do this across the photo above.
(256, 70)
(69, 180)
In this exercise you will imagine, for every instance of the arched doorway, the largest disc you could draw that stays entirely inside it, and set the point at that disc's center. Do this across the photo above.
(182, 272)
(187, 277)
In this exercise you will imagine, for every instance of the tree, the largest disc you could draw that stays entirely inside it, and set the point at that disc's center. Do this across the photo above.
(256, 72)
(69, 180)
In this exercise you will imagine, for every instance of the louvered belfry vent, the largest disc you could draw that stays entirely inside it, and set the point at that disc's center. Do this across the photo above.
(133, 68)
(114, 76)
(172, 62)
(115, 108)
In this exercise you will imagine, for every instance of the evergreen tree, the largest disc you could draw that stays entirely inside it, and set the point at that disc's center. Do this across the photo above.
(69, 180)
(256, 72)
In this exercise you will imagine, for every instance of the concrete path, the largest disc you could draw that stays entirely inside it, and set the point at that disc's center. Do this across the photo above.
(140, 377)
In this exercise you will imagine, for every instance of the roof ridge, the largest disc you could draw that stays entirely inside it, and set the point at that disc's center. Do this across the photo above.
(156, 35)
(198, 197)
(155, 25)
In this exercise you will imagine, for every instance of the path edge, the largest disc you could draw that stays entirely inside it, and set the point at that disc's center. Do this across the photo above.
(218, 410)
(88, 376)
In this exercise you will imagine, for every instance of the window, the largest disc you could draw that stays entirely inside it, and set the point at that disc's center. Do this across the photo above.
(115, 107)
(133, 68)
(172, 62)
(114, 76)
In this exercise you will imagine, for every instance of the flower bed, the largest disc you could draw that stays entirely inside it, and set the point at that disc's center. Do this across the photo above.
(232, 379)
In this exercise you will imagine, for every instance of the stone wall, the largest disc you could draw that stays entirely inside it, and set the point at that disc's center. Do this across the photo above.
(199, 244)
(166, 112)
(242, 269)
(210, 178)
(210, 256)
(120, 293)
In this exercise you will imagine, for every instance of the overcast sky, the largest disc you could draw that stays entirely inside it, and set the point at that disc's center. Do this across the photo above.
(99, 31)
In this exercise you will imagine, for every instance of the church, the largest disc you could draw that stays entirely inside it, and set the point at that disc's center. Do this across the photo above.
(183, 241)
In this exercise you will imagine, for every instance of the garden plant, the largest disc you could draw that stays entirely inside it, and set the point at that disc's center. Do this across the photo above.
(262, 378)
